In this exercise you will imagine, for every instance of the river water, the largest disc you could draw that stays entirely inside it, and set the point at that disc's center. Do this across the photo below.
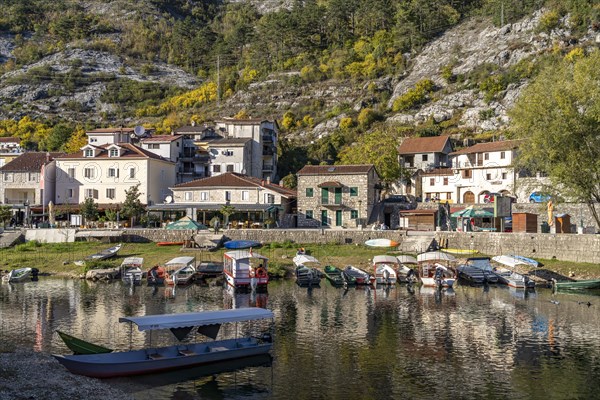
(470, 342)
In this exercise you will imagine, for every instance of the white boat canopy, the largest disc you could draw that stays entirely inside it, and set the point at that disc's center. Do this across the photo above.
(133, 261)
(181, 260)
(184, 320)
(435, 256)
(302, 259)
(385, 259)
(242, 254)
(404, 259)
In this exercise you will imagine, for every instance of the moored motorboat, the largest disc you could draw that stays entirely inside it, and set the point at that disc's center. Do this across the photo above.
(477, 270)
(407, 266)
(156, 275)
(245, 269)
(361, 277)
(306, 272)
(154, 359)
(433, 272)
(510, 277)
(209, 269)
(337, 277)
(131, 270)
(385, 268)
(180, 270)
(576, 285)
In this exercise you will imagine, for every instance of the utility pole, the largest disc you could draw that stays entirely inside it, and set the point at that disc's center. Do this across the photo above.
(218, 79)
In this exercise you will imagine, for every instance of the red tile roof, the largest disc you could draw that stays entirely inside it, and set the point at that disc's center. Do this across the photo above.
(111, 130)
(490, 147)
(235, 180)
(30, 162)
(10, 140)
(335, 169)
(415, 145)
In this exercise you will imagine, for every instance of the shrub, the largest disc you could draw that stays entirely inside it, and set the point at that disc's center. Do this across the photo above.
(366, 117)
(548, 21)
(415, 96)
(346, 123)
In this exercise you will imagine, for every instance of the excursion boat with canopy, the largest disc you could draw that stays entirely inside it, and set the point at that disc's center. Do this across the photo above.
(255, 340)
(385, 268)
(131, 270)
(244, 269)
(435, 274)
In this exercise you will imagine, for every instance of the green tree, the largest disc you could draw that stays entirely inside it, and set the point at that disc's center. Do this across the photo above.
(557, 116)
(132, 206)
(5, 214)
(89, 209)
(227, 210)
(378, 148)
(289, 181)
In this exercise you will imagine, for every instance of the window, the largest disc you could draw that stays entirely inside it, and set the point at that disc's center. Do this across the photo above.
(431, 181)
(353, 214)
(70, 193)
(424, 157)
(131, 173)
(89, 153)
(309, 214)
(113, 173)
(486, 156)
(466, 173)
(309, 192)
(229, 168)
(8, 177)
(32, 176)
(269, 198)
(71, 172)
(113, 153)
(245, 195)
(324, 196)
(89, 173)
(353, 191)
(488, 177)
(449, 196)
(502, 155)
(504, 175)
(110, 193)
(203, 196)
(91, 194)
(187, 196)
(445, 181)
(154, 146)
(227, 195)
(216, 168)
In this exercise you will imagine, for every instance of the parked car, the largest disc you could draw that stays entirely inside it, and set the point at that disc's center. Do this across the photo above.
(537, 197)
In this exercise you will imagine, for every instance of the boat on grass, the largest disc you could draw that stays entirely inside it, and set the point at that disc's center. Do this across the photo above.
(576, 285)
(477, 271)
(80, 346)
(433, 272)
(131, 270)
(385, 268)
(306, 271)
(361, 277)
(257, 341)
(241, 244)
(337, 277)
(169, 243)
(19, 275)
(462, 252)
(101, 255)
(245, 269)
(180, 270)
(381, 243)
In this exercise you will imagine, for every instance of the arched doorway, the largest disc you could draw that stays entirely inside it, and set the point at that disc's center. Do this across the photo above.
(469, 197)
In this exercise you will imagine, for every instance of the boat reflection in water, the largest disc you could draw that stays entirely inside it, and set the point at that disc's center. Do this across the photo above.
(224, 376)
(233, 298)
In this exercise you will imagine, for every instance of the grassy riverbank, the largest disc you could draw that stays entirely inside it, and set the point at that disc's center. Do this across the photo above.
(58, 258)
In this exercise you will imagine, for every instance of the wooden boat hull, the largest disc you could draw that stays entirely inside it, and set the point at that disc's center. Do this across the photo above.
(577, 285)
(169, 243)
(79, 346)
(336, 277)
(139, 362)
(362, 278)
(18, 275)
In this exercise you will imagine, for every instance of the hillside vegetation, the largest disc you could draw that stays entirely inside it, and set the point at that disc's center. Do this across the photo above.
(327, 70)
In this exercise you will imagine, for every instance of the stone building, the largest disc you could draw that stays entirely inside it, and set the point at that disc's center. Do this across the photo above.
(340, 196)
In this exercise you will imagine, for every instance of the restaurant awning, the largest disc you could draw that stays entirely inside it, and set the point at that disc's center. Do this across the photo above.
(209, 207)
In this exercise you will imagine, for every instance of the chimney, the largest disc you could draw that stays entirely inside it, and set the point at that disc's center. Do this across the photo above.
(262, 182)
(193, 123)
(268, 180)
(47, 157)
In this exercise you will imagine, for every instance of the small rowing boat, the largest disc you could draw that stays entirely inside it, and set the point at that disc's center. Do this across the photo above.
(576, 285)
(80, 346)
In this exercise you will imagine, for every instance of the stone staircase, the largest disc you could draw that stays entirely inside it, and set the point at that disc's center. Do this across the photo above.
(417, 243)
(10, 238)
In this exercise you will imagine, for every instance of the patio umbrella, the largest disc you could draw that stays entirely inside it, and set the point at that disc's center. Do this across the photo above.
(471, 212)
(186, 223)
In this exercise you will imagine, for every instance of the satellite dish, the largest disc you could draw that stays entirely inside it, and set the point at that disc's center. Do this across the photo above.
(169, 199)
(139, 130)
(133, 136)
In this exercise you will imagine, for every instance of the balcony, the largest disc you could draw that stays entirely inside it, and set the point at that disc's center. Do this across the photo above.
(268, 167)
(267, 138)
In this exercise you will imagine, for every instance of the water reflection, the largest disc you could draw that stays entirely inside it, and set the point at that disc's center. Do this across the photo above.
(400, 342)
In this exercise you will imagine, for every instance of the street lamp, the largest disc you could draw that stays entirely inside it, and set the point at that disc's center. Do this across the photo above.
(358, 213)
(26, 206)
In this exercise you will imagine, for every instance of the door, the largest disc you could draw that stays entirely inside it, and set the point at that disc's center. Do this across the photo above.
(469, 197)
(324, 217)
(338, 195)
(338, 217)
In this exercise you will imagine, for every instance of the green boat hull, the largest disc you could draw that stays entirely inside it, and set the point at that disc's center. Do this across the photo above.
(578, 285)
(79, 346)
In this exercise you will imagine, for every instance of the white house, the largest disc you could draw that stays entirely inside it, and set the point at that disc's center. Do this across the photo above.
(10, 148)
(105, 172)
(481, 169)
